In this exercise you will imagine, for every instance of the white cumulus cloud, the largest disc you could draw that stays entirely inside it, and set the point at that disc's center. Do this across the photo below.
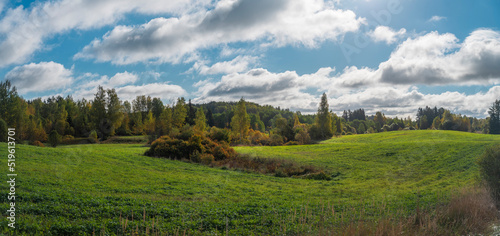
(24, 30)
(386, 34)
(274, 23)
(238, 64)
(44, 76)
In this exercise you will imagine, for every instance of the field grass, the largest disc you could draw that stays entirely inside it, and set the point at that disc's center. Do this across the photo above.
(81, 189)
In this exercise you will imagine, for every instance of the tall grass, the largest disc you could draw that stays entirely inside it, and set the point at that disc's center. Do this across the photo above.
(468, 211)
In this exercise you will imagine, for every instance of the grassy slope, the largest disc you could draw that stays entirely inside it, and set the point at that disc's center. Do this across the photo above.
(80, 188)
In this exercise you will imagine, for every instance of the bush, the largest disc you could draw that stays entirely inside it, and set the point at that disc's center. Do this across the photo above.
(207, 159)
(258, 138)
(93, 137)
(276, 140)
(321, 175)
(292, 143)
(370, 130)
(37, 143)
(54, 138)
(194, 148)
(302, 136)
(489, 164)
(67, 138)
(220, 135)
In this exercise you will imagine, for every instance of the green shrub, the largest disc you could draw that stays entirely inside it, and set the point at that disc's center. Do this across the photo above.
(280, 173)
(220, 135)
(318, 176)
(276, 140)
(370, 130)
(490, 169)
(176, 148)
(207, 159)
(54, 138)
(93, 137)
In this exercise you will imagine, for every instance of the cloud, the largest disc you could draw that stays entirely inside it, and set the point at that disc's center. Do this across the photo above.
(436, 18)
(430, 59)
(118, 79)
(162, 90)
(44, 76)
(386, 34)
(2, 4)
(404, 102)
(238, 64)
(261, 86)
(437, 59)
(23, 30)
(290, 90)
(273, 23)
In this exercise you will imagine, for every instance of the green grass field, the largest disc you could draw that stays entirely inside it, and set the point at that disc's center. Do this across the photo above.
(81, 189)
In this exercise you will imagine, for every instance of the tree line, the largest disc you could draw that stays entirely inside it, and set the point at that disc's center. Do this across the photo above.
(57, 119)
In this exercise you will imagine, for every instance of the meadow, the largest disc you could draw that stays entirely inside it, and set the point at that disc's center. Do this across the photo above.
(114, 189)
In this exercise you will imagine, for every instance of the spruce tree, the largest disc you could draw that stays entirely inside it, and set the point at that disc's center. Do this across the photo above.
(324, 119)
(495, 118)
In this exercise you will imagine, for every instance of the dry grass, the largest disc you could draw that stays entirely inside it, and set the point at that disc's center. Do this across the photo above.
(470, 211)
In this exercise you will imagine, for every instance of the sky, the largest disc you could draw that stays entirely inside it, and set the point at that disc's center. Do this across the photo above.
(392, 56)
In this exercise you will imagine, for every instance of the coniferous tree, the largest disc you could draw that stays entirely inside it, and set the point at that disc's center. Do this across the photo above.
(494, 122)
(191, 113)
(3, 130)
(324, 119)
(210, 118)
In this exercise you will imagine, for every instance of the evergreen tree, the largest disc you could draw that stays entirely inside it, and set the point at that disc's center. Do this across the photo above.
(54, 138)
(495, 118)
(210, 118)
(3, 130)
(423, 122)
(324, 119)
(191, 114)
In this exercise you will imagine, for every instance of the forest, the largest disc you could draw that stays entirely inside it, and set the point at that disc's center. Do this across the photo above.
(65, 120)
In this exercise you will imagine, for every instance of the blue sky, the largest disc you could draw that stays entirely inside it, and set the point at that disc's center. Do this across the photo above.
(381, 55)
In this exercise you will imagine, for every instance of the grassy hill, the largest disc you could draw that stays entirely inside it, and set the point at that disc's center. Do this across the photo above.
(81, 189)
